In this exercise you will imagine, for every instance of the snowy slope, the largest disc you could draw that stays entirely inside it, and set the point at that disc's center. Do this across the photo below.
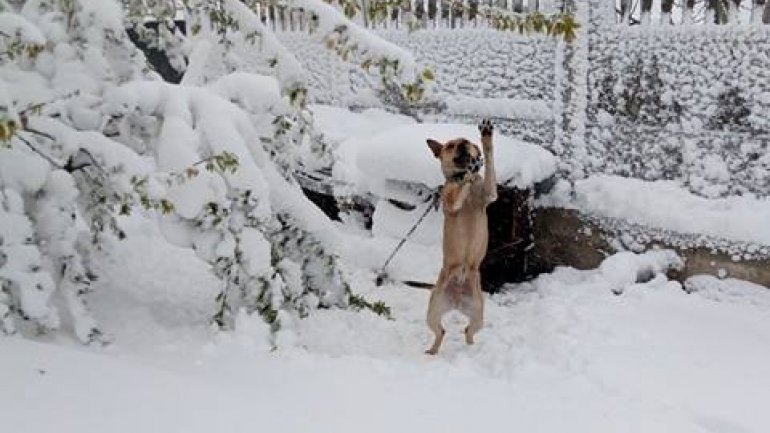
(559, 354)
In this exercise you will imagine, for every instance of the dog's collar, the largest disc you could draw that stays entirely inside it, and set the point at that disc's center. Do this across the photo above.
(473, 168)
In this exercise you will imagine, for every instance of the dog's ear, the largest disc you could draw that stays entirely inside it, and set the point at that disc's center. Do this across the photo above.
(435, 147)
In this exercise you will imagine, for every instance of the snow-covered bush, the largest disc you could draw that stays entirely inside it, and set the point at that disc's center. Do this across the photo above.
(89, 133)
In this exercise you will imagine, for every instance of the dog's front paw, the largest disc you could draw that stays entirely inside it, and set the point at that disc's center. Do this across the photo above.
(486, 128)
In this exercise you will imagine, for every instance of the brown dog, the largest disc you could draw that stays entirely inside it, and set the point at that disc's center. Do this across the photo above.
(464, 198)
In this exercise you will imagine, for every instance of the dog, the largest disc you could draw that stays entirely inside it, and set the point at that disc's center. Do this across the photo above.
(464, 199)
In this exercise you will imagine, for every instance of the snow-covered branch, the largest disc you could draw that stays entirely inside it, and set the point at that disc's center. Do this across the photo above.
(288, 70)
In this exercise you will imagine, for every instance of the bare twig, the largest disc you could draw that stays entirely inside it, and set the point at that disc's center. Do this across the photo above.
(39, 152)
(40, 133)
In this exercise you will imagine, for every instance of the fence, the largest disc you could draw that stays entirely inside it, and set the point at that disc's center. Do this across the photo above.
(407, 14)
(648, 12)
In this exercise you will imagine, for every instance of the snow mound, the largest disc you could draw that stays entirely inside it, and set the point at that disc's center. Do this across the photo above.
(401, 154)
(625, 268)
(729, 290)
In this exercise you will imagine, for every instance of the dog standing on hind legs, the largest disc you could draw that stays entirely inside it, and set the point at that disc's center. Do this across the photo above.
(464, 199)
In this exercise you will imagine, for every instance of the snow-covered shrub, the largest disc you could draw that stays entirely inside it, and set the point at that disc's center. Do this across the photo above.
(665, 102)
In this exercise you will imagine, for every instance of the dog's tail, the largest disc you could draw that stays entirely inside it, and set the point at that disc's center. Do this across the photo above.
(418, 284)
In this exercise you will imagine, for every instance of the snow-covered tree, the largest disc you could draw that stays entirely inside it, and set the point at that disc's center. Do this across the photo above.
(766, 13)
(89, 132)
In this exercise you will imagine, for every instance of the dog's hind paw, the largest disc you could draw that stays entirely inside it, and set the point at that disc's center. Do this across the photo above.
(486, 128)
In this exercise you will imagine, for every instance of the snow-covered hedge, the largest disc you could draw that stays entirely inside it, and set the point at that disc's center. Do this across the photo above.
(682, 102)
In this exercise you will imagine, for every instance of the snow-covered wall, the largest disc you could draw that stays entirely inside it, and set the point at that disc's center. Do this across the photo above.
(475, 64)
(682, 102)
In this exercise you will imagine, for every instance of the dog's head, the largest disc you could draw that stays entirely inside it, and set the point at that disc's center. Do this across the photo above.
(457, 157)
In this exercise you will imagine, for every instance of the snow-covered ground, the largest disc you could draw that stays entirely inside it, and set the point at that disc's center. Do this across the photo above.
(561, 353)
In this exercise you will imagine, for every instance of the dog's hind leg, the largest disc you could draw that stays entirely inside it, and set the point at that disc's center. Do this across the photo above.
(437, 306)
(475, 309)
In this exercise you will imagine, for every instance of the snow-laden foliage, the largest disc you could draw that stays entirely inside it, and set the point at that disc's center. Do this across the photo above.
(245, 41)
(60, 175)
(89, 133)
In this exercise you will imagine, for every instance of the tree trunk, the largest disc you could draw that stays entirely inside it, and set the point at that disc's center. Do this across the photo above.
(624, 10)
(716, 11)
(646, 9)
(689, 5)
(732, 8)
(766, 13)
(666, 7)
(756, 11)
